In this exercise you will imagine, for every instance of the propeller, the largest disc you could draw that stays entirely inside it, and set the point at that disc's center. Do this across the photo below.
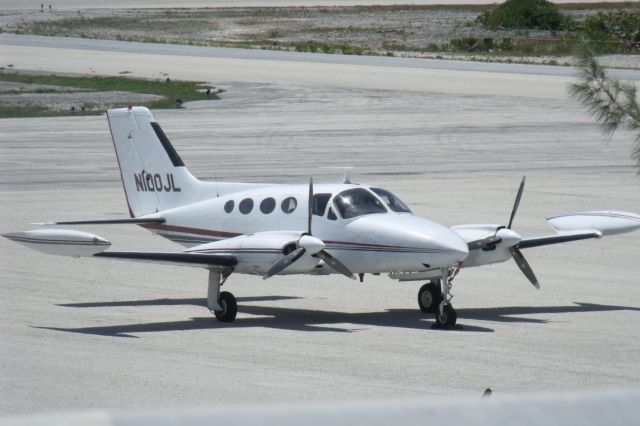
(309, 244)
(505, 235)
(517, 202)
(515, 251)
(524, 266)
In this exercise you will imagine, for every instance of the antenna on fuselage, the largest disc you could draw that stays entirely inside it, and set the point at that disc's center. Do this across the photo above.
(346, 178)
(348, 172)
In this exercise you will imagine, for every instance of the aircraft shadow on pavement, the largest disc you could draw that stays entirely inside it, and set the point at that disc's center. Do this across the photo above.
(170, 302)
(320, 321)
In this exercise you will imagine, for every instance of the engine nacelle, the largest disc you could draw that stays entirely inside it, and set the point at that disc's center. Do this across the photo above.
(257, 252)
(62, 242)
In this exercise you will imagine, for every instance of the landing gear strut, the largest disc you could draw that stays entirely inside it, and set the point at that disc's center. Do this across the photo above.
(222, 304)
(446, 316)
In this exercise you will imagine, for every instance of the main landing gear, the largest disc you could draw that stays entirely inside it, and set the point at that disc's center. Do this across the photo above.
(222, 304)
(435, 298)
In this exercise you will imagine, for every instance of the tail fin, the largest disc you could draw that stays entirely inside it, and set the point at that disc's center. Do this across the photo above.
(153, 174)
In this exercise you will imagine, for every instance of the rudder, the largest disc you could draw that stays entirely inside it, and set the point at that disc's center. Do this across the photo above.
(153, 174)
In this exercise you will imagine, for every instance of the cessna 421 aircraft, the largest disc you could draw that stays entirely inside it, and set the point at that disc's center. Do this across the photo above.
(267, 230)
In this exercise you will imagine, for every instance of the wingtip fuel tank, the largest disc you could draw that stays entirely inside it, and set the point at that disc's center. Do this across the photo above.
(63, 242)
(606, 222)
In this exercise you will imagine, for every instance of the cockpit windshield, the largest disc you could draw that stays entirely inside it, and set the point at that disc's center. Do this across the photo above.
(357, 202)
(393, 202)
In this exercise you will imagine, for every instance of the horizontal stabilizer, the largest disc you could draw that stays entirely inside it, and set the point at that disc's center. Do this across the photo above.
(63, 242)
(183, 259)
(134, 220)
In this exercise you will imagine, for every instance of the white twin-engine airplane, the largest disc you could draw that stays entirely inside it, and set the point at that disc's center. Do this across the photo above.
(267, 229)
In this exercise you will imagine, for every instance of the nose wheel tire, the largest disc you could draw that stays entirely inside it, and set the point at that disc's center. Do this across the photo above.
(229, 307)
(429, 298)
(447, 318)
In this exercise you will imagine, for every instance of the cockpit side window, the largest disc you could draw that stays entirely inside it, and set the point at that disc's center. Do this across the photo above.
(393, 202)
(357, 202)
(320, 202)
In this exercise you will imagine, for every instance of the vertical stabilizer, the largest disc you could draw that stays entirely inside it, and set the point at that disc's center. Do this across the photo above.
(153, 174)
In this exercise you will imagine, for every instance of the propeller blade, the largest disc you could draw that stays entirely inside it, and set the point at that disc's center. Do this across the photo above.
(524, 266)
(310, 212)
(281, 264)
(335, 264)
(517, 203)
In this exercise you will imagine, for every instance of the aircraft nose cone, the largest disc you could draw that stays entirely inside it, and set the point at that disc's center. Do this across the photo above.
(453, 246)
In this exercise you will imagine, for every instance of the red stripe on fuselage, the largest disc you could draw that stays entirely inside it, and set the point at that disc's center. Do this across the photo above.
(187, 230)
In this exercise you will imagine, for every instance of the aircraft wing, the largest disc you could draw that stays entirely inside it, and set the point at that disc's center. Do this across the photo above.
(211, 261)
(558, 238)
(585, 225)
(568, 227)
(65, 242)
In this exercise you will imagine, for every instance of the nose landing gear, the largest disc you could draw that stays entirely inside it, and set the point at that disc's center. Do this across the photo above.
(447, 317)
(429, 297)
(435, 297)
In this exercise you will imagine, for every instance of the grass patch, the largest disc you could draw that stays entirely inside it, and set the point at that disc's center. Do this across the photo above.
(172, 90)
(28, 111)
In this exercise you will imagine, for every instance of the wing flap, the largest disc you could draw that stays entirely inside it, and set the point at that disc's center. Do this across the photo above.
(182, 259)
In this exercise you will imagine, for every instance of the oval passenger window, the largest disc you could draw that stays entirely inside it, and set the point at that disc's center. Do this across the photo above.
(289, 204)
(267, 205)
(246, 206)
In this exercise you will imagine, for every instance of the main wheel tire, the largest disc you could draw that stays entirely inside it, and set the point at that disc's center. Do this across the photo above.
(429, 298)
(448, 317)
(229, 307)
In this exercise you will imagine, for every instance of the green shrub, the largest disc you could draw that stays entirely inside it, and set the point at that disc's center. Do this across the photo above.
(611, 31)
(350, 50)
(506, 45)
(307, 47)
(468, 44)
(524, 14)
